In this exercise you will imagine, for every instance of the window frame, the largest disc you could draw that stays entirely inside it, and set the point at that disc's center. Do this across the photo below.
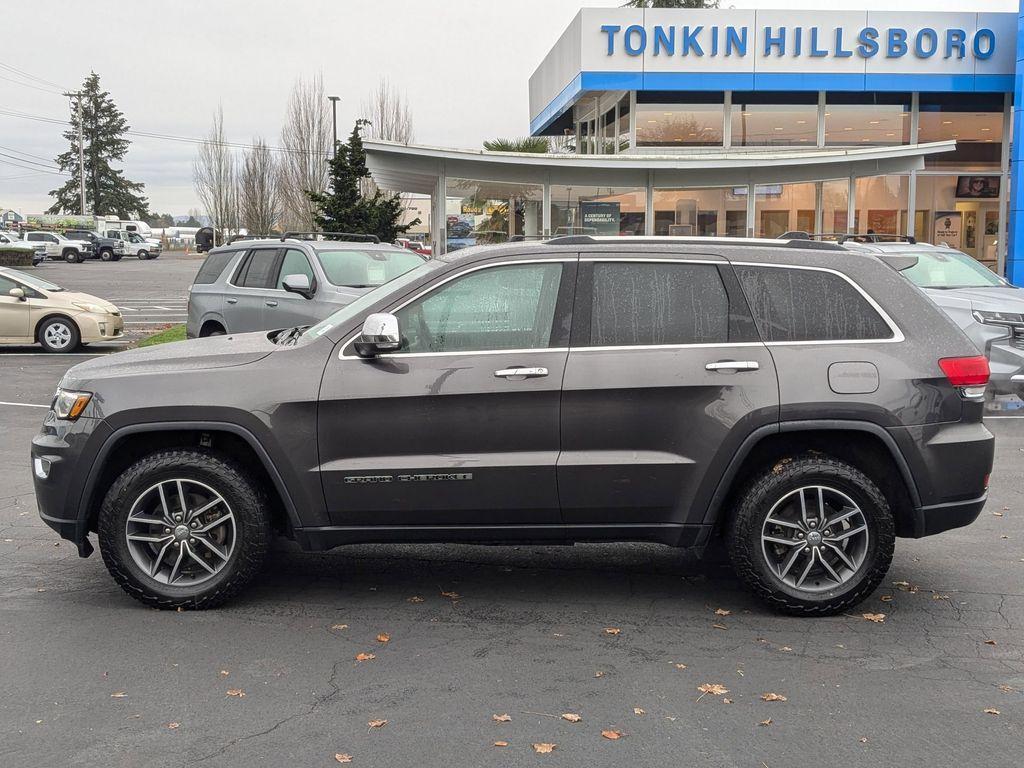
(897, 333)
(561, 325)
(740, 321)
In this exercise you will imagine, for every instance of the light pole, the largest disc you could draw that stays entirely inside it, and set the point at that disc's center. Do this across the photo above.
(334, 123)
(81, 149)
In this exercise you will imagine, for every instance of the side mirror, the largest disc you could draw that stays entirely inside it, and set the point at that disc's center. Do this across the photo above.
(298, 284)
(380, 334)
(17, 293)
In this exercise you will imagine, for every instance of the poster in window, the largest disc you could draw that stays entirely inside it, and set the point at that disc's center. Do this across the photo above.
(977, 187)
(948, 229)
(599, 218)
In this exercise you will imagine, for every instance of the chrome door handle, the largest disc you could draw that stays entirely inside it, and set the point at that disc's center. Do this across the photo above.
(733, 365)
(232, 301)
(271, 303)
(518, 374)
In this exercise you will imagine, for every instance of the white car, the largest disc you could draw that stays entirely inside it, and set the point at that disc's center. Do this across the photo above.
(60, 247)
(136, 244)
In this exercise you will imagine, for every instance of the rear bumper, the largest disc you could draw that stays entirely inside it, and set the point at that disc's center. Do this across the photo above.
(943, 517)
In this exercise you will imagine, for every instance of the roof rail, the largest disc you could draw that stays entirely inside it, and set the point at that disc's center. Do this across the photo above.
(849, 237)
(359, 238)
(796, 242)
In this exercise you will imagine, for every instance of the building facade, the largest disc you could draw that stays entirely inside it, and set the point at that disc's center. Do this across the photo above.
(724, 122)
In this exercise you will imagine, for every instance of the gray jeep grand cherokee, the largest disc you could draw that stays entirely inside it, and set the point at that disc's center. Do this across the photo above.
(805, 408)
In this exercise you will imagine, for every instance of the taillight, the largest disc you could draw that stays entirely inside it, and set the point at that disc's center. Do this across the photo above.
(969, 374)
(965, 371)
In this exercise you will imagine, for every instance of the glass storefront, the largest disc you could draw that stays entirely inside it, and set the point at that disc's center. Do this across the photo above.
(961, 211)
(713, 212)
(867, 119)
(772, 119)
(491, 212)
(973, 120)
(665, 120)
(597, 210)
(835, 206)
(881, 205)
(781, 208)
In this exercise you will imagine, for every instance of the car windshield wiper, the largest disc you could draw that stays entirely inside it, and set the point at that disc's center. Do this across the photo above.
(289, 336)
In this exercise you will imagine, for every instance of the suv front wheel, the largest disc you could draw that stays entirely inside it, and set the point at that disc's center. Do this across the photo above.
(184, 528)
(812, 536)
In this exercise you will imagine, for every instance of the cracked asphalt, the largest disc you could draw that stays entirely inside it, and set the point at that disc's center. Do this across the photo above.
(88, 677)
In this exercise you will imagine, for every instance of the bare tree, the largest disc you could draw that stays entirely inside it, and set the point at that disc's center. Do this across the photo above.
(388, 112)
(259, 203)
(213, 176)
(306, 140)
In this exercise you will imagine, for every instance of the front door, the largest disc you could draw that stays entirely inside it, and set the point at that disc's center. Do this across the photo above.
(285, 310)
(665, 370)
(14, 313)
(460, 427)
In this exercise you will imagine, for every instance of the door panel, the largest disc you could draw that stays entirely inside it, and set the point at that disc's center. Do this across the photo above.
(14, 313)
(436, 438)
(246, 302)
(643, 417)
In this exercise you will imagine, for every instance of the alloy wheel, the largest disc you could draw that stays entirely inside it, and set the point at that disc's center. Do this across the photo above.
(57, 335)
(815, 538)
(181, 532)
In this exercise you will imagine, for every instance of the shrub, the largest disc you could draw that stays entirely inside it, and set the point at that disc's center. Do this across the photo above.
(15, 257)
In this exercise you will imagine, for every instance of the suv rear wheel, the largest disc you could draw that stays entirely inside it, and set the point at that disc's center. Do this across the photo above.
(812, 536)
(184, 528)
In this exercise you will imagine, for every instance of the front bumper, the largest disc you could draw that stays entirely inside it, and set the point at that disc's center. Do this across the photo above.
(1006, 363)
(97, 327)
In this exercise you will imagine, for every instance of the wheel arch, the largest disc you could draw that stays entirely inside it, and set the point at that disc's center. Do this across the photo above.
(863, 444)
(212, 319)
(161, 435)
(50, 315)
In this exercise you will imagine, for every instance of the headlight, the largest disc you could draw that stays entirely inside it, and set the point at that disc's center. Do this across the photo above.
(69, 404)
(95, 309)
(998, 318)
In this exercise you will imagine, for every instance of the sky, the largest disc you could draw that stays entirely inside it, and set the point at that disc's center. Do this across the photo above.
(462, 64)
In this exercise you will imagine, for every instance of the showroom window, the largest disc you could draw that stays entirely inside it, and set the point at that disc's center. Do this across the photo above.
(585, 210)
(881, 205)
(962, 211)
(696, 122)
(867, 119)
(480, 212)
(774, 119)
(780, 208)
(973, 120)
(712, 212)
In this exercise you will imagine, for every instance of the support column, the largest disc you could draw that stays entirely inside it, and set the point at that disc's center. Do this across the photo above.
(851, 207)
(819, 206)
(727, 121)
(649, 205)
(1004, 181)
(1015, 252)
(911, 224)
(751, 210)
(438, 216)
(545, 216)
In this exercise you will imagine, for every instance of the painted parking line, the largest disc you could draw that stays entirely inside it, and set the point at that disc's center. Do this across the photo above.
(24, 405)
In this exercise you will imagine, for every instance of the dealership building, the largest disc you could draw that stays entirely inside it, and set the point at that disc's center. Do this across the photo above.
(751, 123)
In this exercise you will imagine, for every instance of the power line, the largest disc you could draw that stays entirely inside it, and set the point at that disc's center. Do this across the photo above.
(27, 154)
(30, 76)
(49, 166)
(30, 85)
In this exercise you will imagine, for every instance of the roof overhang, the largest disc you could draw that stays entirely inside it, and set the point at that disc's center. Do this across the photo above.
(416, 168)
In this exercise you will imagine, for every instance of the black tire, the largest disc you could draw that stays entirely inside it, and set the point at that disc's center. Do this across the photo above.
(143, 255)
(72, 257)
(211, 330)
(247, 501)
(58, 334)
(106, 254)
(764, 491)
(118, 256)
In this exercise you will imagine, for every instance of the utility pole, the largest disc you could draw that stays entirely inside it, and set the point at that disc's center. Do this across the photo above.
(334, 123)
(81, 150)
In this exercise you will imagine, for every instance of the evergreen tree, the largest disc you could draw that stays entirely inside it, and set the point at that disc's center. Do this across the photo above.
(107, 191)
(345, 207)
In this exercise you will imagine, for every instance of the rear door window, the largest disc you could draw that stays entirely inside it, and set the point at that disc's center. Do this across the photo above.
(214, 266)
(792, 304)
(259, 270)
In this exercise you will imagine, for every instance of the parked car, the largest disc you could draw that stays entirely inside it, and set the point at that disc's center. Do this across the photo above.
(988, 308)
(135, 244)
(252, 285)
(33, 310)
(802, 408)
(106, 248)
(60, 247)
(11, 240)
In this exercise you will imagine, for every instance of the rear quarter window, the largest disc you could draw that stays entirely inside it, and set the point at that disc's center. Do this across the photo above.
(213, 267)
(792, 304)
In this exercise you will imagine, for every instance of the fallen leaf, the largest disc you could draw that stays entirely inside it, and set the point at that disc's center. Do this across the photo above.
(505, 718)
(863, 739)
(118, 695)
(224, 673)
(886, 598)
(174, 726)
(365, 656)
(415, 599)
(238, 693)
(613, 735)
(343, 758)
(773, 697)
(339, 626)
(786, 649)
(998, 514)
(680, 666)
(878, 618)
(719, 626)
(377, 723)
(1005, 688)
(990, 642)
(766, 722)
(451, 595)
(638, 712)
(383, 637)
(722, 612)
(940, 597)
(501, 743)
(727, 701)
(612, 630)
(544, 748)
(991, 711)
(572, 717)
(599, 673)
(716, 689)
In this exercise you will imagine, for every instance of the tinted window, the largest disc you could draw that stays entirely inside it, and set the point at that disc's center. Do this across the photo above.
(33, 236)
(294, 263)
(214, 266)
(509, 307)
(808, 305)
(259, 272)
(658, 303)
(366, 269)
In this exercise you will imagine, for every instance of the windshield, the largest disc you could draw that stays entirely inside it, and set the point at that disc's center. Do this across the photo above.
(367, 300)
(35, 282)
(366, 269)
(136, 238)
(949, 269)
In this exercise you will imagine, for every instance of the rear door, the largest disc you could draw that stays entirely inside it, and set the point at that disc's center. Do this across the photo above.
(665, 375)
(251, 291)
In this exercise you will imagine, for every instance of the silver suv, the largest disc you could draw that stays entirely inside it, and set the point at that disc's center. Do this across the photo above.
(988, 308)
(294, 280)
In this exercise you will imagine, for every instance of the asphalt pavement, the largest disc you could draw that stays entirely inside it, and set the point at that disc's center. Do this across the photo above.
(623, 635)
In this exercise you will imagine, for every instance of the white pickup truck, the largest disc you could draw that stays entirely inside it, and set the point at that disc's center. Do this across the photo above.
(60, 247)
(136, 244)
